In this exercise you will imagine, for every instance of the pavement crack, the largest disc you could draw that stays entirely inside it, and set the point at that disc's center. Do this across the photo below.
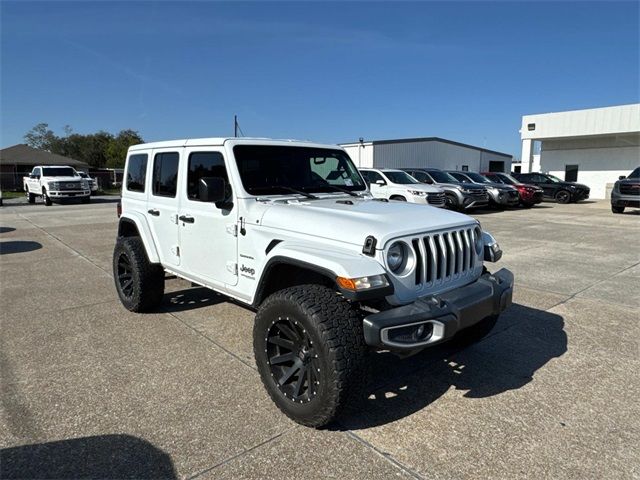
(244, 452)
(384, 455)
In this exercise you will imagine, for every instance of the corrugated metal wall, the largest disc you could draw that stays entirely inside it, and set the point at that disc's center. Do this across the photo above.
(434, 154)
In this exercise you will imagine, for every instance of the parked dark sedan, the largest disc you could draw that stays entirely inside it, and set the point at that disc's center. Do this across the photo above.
(529, 194)
(500, 195)
(554, 188)
(626, 192)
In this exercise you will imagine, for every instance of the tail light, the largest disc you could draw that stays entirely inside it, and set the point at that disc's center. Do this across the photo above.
(119, 209)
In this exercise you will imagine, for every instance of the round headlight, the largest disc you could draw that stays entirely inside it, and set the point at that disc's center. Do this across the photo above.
(479, 244)
(396, 256)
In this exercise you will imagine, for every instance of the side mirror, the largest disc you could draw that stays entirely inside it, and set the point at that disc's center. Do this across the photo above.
(211, 190)
(622, 177)
(380, 182)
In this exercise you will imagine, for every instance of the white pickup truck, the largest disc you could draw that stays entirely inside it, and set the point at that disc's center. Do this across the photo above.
(55, 183)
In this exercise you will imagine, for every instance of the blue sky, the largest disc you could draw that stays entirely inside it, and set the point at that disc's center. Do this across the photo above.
(330, 72)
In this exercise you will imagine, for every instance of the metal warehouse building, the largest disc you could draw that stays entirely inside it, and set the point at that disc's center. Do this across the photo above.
(593, 146)
(427, 152)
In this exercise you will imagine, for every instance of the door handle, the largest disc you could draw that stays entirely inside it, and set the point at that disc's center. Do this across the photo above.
(154, 212)
(186, 218)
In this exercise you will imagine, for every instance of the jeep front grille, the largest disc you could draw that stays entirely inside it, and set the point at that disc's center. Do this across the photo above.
(444, 256)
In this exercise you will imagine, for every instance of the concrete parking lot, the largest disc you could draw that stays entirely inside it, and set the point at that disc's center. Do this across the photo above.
(89, 389)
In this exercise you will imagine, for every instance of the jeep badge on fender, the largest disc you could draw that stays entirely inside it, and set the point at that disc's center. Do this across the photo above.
(334, 273)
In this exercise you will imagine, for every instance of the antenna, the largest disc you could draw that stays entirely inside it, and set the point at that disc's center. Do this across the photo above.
(236, 127)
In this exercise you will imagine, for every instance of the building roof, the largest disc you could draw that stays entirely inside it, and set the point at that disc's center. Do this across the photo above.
(616, 120)
(22, 154)
(428, 139)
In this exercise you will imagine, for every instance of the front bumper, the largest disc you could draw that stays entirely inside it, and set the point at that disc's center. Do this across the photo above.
(68, 193)
(621, 200)
(531, 197)
(443, 315)
(470, 200)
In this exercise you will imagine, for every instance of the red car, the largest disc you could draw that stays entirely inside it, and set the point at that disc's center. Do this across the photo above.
(529, 194)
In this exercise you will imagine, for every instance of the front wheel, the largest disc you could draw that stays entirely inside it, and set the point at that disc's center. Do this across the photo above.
(399, 198)
(563, 196)
(615, 209)
(309, 349)
(140, 283)
(45, 198)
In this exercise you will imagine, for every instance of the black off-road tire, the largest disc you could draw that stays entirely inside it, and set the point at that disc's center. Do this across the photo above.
(563, 196)
(475, 333)
(31, 198)
(334, 331)
(615, 209)
(141, 285)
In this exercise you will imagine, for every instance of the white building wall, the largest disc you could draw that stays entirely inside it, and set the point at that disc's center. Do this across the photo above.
(596, 166)
(361, 154)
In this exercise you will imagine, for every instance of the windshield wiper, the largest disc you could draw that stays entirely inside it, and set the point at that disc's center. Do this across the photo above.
(340, 189)
(295, 190)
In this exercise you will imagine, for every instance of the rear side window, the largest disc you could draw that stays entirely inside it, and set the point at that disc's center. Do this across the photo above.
(165, 174)
(205, 164)
(136, 172)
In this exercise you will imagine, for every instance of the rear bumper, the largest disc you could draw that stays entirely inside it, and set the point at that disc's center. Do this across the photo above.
(442, 315)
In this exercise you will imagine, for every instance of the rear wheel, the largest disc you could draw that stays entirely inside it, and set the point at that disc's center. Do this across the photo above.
(615, 209)
(140, 283)
(309, 349)
(563, 196)
(31, 198)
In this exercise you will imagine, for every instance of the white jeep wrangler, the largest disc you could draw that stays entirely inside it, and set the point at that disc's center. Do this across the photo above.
(290, 229)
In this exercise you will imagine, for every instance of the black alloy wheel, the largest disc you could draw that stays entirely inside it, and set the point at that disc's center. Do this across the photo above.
(563, 196)
(125, 275)
(292, 360)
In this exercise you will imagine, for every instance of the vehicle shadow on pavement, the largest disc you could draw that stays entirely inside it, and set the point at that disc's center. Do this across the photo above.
(6, 229)
(522, 342)
(18, 246)
(104, 456)
(190, 299)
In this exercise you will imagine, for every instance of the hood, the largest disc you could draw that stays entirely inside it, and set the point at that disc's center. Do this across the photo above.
(64, 179)
(468, 186)
(629, 181)
(499, 186)
(574, 184)
(335, 220)
(423, 187)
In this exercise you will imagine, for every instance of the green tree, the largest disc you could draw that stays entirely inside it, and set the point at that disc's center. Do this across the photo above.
(117, 149)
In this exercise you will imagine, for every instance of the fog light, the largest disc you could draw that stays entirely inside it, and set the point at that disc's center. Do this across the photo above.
(411, 334)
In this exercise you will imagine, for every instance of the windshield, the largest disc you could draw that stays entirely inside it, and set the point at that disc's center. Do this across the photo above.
(83, 175)
(635, 173)
(274, 170)
(442, 177)
(58, 172)
(476, 177)
(506, 178)
(403, 178)
(554, 179)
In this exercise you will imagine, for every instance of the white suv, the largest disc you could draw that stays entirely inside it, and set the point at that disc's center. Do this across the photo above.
(398, 185)
(290, 230)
